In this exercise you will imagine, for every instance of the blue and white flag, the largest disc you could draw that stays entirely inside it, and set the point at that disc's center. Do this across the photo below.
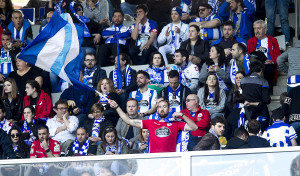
(57, 49)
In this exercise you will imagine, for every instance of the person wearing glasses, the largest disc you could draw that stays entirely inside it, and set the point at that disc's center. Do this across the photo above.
(200, 116)
(162, 132)
(62, 126)
(21, 149)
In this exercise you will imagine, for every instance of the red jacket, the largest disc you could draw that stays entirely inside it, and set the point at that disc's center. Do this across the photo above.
(202, 120)
(43, 107)
(273, 47)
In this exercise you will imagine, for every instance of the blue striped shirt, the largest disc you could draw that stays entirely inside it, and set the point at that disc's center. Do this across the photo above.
(212, 33)
(6, 65)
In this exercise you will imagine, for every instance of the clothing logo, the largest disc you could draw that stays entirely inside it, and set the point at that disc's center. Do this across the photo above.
(41, 103)
(56, 148)
(162, 132)
(200, 115)
(143, 103)
(174, 103)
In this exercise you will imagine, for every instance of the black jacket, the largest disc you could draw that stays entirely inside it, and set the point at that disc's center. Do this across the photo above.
(13, 110)
(6, 148)
(237, 143)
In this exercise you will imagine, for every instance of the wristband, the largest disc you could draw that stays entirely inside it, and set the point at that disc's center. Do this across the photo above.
(182, 115)
(116, 107)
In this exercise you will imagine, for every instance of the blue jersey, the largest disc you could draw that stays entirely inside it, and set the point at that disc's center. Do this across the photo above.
(145, 100)
(6, 65)
(210, 33)
(145, 31)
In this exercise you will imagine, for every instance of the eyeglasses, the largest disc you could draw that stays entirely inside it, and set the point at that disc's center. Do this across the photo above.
(97, 112)
(202, 10)
(188, 100)
(89, 60)
(62, 108)
(15, 135)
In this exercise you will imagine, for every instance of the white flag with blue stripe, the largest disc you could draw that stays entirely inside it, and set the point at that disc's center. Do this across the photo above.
(57, 49)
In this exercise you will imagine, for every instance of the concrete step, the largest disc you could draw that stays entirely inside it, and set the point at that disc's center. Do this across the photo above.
(281, 81)
(277, 90)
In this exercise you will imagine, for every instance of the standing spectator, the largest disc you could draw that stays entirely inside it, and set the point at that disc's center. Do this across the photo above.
(283, 10)
(239, 140)
(269, 46)
(199, 116)
(21, 149)
(212, 97)
(128, 78)
(6, 9)
(145, 96)
(253, 128)
(144, 32)
(62, 125)
(280, 134)
(12, 102)
(175, 92)
(40, 100)
(97, 11)
(44, 147)
(197, 48)
(173, 34)
(293, 67)
(242, 14)
(188, 72)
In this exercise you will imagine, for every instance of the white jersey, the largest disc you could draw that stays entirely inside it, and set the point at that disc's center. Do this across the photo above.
(188, 73)
(145, 100)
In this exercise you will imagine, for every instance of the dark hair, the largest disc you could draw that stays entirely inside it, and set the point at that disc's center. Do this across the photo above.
(173, 74)
(253, 126)
(2, 108)
(43, 127)
(76, 5)
(143, 73)
(277, 114)
(242, 47)
(238, 98)
(141, 138)
(118, 11)
(184, 53)
(196, 27)
(161, 56)
(256, 67)
(31, 109)
(221, 58)
(22, 146)
(235, 85)
(89, 54)
(229, 23)
(82, 127)
(132, 99)
(8, 7)
(61, 101)
(166, 101)
(125, 57)
(241, 2)
(108, 130)
(239, 132)
(7, 33)
(218, 119)
(282, 97)
(217, 90)
(144, 7)
(36, 85)
(208, 142)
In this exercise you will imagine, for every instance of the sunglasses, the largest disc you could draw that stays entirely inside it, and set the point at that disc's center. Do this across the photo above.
(15, 135)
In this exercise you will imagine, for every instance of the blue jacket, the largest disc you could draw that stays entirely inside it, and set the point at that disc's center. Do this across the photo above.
(247, 16)
(27, 31)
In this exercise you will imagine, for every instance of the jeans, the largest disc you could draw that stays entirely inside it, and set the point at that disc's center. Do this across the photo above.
(283, 7)
(296, 126)
(128, 8)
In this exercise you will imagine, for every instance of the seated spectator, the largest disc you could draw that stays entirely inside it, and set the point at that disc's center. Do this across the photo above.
(12, 102)
(199, 116)
(30, 125)
(145, 96)
(172, 34)
(107, 91)
(62, 126)
(254, 141)
(111, 36)
(144, 32)
(175, 92)
(44, 147)
(97, 11)
(128, 78)
(24, 73)
(208, 141)
(111, 144)
(5, 125)
(197, 48)
(239, 140)
(208, 22)
(256, 91)
(267, 45)
(82, 146)
(21, 149)
(79, 102)
(228, 39)
(6, 9)
(40, 100)
(188, 72)
(217, 64)
(92, 73)
(143, 142)
(211, 97)
(242, 14)
(280, 134)
(157, 71)
(126, 131)
(20, 29)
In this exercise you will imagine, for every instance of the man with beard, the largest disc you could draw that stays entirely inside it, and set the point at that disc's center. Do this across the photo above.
(145, 96)
(242, 14)
(111, 34)
(162, 132)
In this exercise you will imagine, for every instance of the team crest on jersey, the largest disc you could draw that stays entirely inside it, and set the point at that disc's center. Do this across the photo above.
(200, 115)
(143, 103)
(162, 132)
(41, 103)
(169, 124)
(56, 148)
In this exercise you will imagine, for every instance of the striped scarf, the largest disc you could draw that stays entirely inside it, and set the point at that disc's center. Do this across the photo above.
(96, 127)
(84, 148)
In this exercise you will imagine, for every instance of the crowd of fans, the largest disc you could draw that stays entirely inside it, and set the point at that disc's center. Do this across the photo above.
(215, 96)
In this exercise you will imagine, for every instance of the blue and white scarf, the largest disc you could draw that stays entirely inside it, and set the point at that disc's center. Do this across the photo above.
(82, 20)
(113, 148)
(103, 99)
(2, 123)
(15, 147)
(127, 76)
(96, 127)
(176, 39)
(58, 7)
(180, 70)
(156, 74)
(174, 99)
(293, 81)
(89, 74)
(234, 69)
(84, 148)
(25, 129)
(241, 121)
